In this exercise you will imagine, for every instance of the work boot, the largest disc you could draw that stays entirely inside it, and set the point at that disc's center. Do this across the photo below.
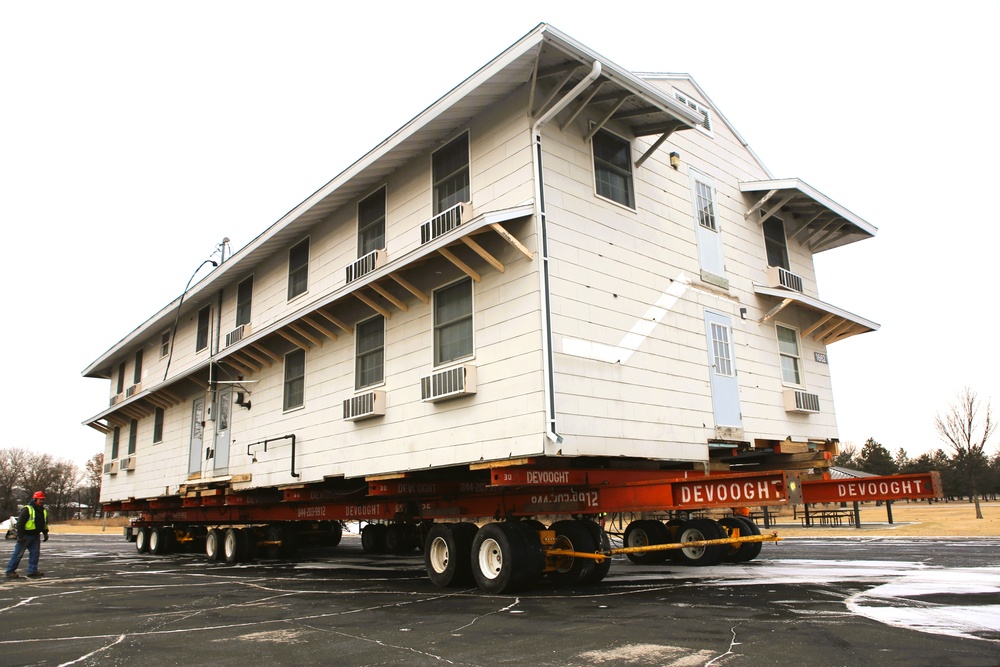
(33, 575)
(13, 575)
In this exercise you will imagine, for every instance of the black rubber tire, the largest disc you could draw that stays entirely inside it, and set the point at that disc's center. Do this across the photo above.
(531, 557)
(673, 527)
(702, 529)
(505, 557)
(142, 541)
(446, 555)
(214, 544)
(274, 533)
(334, 534)
(399, 538)
(159, 540)
(600, 538)
(373, 538)
(235, 545)
(747, 551)
(646, 532)
(573, 536)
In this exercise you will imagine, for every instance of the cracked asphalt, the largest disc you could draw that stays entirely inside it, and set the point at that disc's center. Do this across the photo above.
(836, 601)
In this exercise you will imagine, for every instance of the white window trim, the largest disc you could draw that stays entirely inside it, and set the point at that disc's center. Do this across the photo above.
(165, 354)
(801, 358)
(784, 236)
(703, 109)
(284, 380)
(593, 171)
(460, 360)
(430, 175)
(253, 286)
(369, 387)
(208, 337)
(385, 217)
(288, 268)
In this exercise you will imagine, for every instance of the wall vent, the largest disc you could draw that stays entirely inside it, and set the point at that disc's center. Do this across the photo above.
(111, 468)
(363, 406)
(452, 383)
(367, 264)
(126, 463)
(801, 401)
(237, 334)
(445, 221)
(779, 277)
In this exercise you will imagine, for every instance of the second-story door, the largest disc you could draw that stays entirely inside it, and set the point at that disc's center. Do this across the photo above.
(197, 436)
(722, 371)
(222, 440)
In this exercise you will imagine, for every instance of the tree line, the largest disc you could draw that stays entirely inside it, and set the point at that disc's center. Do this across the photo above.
(70, 491)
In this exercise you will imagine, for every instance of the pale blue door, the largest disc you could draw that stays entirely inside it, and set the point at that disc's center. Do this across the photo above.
(222, 439)
(197, 435)
(722, 370)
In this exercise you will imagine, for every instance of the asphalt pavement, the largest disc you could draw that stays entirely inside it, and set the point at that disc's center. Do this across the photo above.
(837, 601)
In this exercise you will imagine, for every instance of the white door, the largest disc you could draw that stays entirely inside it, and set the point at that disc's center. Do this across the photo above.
(706, 224)
(197, 435)
(222, 440)
(722, 370)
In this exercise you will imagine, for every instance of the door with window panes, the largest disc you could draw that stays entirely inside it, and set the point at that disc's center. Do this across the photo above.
(722, 371)
(222, 439)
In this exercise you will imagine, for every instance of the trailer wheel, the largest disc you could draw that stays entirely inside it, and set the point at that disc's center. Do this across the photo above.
(275, 534)
(235, 546)
(572, 536)
(373, 538)
(697, 530)
(399, 538)
(334, 533)
(142, 540)
(673, 527)
(747, 551)
(446, 555)
(504, 557)
(159, 540)
(213, 544)
(646, 533)
(530, 557)
(600, 538)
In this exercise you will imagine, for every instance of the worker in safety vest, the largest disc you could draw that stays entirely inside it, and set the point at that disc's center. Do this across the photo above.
(32, 530)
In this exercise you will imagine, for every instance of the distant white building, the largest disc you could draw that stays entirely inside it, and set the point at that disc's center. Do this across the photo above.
(558, 258)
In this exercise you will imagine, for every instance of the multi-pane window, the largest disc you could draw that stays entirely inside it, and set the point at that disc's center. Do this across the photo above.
(705, 206)
(371, 223)
(450, 174)
(295, 380)
(158, 425)
(116, 436)
(164, 344)
(453, 322)
(244, 301)
(201, 338)
(788, 350)
(370, 357)
(721, 350)
(133, 434)
(613, 168)
(298, 269)
(137, 371)
(775, 244)
(121, 378)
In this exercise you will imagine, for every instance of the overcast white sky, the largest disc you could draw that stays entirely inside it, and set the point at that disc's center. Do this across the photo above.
(135, 136)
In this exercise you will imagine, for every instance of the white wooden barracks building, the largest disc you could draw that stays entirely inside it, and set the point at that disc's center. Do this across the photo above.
(559, 258)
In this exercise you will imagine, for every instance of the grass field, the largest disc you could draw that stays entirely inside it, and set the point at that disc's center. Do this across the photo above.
(956, 519)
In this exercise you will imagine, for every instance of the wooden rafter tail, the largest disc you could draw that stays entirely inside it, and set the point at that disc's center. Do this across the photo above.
(511, 239)
(319, 327)
(389, 296)
(293, 340)
(468, 270)
(482, 252)
(335, 322)
(374, 306)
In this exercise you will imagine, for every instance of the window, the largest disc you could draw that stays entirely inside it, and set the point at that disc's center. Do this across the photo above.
(133, 433)
(116, 437)
(164, 344)
(705, 205)
(450, 174)
(721, 350)
(788, 349)
(371, 223)
(298, 269)
(613, 168)
(775, 244)
(453, 322)
(137, 371)
(121, 378)
(369, 359)
(158, 425)
(706, 124)
(201, 339)
(244, 301)
(295, 379)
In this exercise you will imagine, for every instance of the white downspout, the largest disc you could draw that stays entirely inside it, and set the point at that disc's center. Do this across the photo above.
(536, 160)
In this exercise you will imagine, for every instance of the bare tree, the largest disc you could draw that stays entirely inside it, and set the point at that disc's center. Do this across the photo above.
(967, 426)
(92, 476)
(13, 464)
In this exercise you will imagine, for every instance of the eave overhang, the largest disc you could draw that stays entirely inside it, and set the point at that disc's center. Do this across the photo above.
(831, 324)
(811, 218)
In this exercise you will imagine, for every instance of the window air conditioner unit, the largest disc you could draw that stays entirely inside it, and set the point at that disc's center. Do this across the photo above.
(451, 383)
(445, 221)
(117, 398)
(111, 468)
(237, 334)
(133, 390)
(363, 406)
(373, 260)
(779, 277)
(127, 463)
(801, 401)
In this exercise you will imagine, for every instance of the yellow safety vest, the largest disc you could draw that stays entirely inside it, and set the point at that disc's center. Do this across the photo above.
(30, 523)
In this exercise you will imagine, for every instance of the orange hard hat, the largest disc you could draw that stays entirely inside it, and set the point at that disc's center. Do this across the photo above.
(38, 495)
